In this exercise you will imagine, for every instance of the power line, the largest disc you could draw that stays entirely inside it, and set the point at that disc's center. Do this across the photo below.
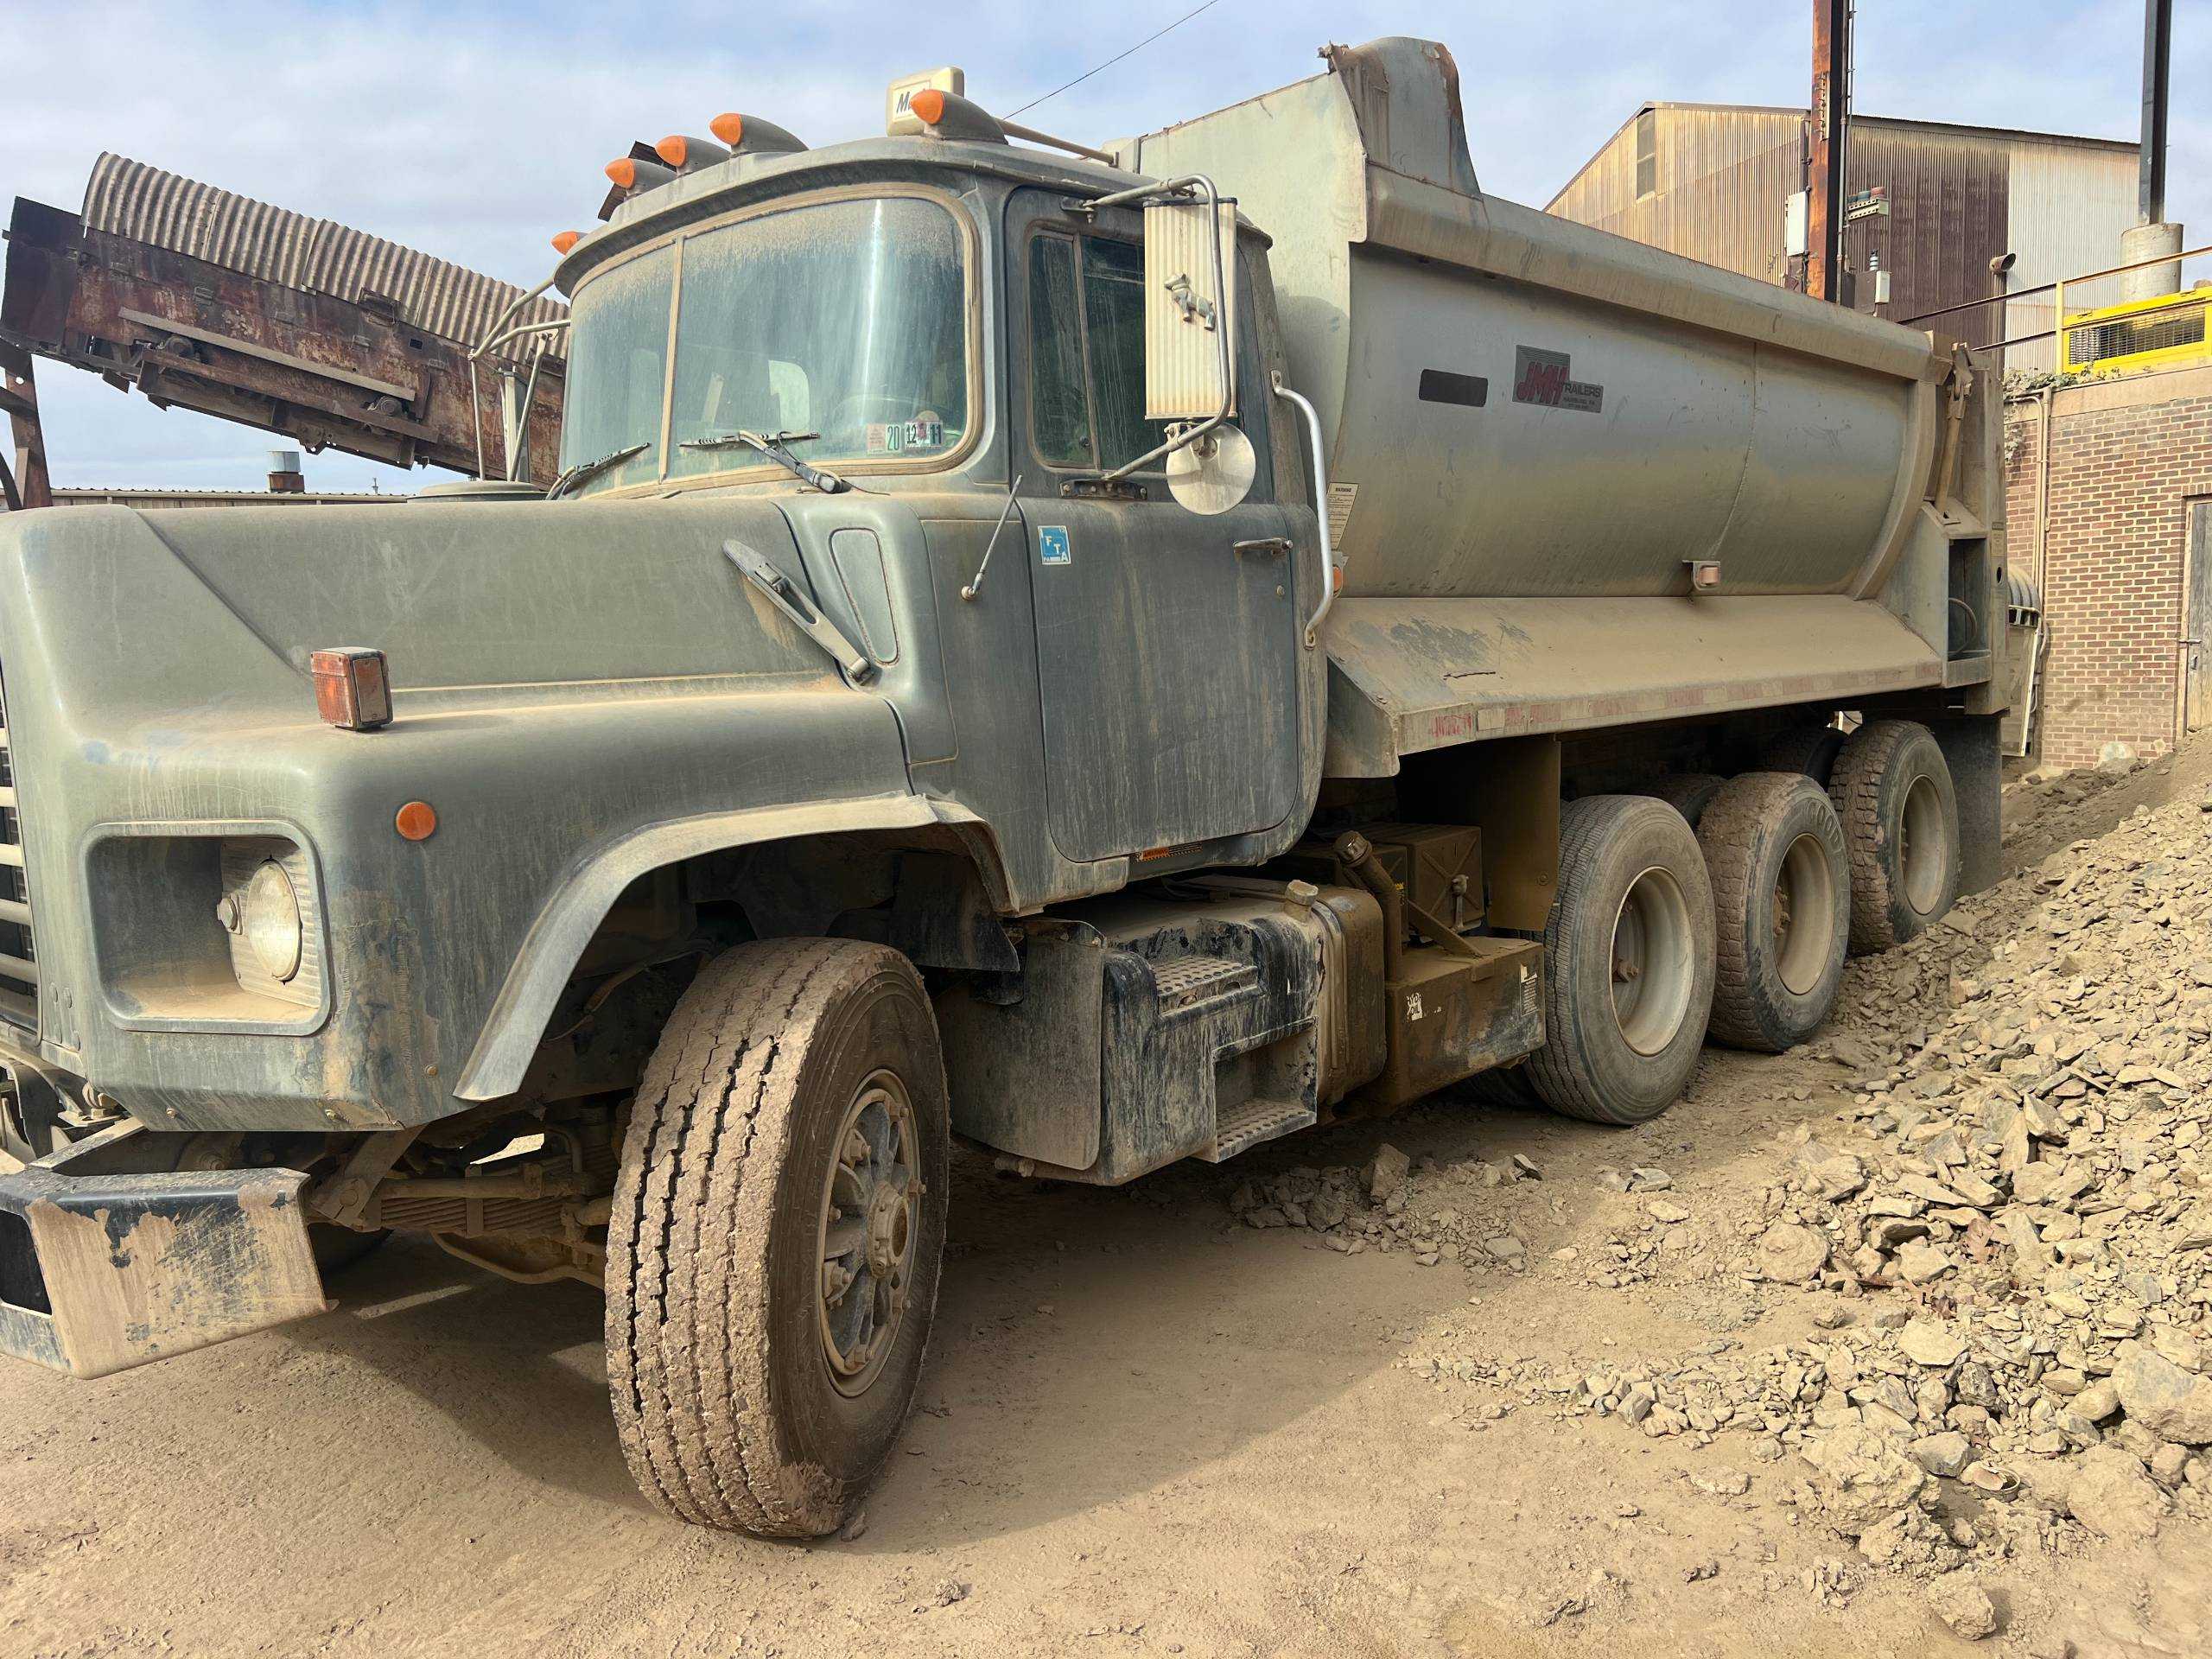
(1111, 61)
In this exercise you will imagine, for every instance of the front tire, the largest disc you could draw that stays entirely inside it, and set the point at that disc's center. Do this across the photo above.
(1628, 962)
(777, 1228)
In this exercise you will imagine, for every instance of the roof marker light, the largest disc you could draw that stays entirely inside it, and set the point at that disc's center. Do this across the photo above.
(688, 155)
(566, 240)
(634, 174)
(748, 134)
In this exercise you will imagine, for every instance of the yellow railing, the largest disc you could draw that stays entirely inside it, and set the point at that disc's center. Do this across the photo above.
(2164, 331)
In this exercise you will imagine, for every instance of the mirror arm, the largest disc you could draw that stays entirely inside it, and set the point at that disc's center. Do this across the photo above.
(1320, 507)
(1224, 347)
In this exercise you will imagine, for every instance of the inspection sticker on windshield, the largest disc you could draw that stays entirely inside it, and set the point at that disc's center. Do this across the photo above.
(1052, 545)
(925, 431)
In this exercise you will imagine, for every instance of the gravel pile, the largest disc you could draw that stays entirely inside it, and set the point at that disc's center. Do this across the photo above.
(2005, 1239)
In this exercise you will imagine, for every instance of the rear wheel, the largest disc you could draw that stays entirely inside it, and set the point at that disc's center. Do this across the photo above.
(1628, 969)
(778, 1225)
(1780, 906)
(1891, 789)
(1810, 750)
(1688, 792)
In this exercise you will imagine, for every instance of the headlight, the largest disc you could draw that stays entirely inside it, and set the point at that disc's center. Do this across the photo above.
(268, 917)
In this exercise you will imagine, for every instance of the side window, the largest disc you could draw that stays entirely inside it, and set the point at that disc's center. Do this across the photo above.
(1059, 402)
(1113, 307)
(1086, 352)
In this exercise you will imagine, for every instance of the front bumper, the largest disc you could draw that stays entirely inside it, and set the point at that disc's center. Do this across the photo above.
(102, 1271)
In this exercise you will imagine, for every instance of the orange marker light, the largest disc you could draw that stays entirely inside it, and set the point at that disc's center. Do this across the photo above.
(624, 173)
(353, 687)
(928, 104)
(730, 129)
(566, 240)
(415, 820)
(673, 148)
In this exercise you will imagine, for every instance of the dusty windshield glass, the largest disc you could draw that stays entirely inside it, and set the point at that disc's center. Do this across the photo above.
(844, 318)
(618, 365)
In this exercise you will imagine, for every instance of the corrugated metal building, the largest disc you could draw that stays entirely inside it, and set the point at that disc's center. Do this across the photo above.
(1937, 202)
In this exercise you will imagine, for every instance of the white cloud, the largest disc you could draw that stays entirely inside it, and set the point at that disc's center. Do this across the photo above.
(474, 133)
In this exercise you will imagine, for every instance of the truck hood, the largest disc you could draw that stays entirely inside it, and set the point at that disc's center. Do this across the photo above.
(207, 609)
(568, 678)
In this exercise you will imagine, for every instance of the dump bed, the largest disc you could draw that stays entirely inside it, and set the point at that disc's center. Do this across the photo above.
(1533, 428)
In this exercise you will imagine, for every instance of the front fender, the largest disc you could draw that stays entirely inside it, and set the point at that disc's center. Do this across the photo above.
(556, 939)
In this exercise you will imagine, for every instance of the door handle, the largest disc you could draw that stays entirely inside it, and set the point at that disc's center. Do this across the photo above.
(1272, 547)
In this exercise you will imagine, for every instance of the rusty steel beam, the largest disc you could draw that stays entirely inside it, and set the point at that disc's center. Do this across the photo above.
(23, 482)
(325, 372)
(1826, 136)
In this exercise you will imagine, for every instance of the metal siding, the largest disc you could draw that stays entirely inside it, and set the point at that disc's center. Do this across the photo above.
(1958, 198)
(129, 199)
(2069, 206)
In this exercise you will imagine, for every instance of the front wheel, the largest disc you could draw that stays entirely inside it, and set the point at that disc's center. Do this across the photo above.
(778, 1226)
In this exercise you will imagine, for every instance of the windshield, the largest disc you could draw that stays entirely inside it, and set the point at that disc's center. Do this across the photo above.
(844, 318)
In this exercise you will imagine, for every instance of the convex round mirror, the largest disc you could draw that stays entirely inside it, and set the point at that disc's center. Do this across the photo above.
(1215, 473)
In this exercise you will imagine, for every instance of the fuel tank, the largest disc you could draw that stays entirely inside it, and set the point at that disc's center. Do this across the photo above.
(1515, 406)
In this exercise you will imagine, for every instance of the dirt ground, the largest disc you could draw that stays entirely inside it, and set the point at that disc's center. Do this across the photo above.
(1147, 1428)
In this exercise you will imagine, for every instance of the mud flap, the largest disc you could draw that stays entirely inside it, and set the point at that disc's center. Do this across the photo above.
(100, 1272)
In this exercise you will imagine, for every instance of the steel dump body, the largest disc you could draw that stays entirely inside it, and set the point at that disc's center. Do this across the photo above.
(1517, 408)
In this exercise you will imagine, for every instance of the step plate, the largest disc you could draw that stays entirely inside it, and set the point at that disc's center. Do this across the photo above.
(1189, 980)
(1242, 1128)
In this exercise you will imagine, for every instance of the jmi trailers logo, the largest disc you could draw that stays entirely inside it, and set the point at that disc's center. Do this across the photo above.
(1540, 376)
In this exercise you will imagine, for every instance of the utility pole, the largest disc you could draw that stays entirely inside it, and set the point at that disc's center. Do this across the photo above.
(2158, 76)
(1824, 149)
(2152, 237)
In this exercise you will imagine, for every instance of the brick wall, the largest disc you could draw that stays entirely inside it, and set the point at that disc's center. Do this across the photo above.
(2126, 458)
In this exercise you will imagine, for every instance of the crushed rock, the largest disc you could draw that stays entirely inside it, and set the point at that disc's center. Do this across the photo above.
(2005, 1243)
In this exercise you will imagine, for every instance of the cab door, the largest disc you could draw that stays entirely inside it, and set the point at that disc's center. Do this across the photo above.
(1166, 641)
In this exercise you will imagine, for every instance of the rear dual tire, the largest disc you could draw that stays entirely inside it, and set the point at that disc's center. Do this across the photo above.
(1892, 790)
(1782, 908)
(1628, 962)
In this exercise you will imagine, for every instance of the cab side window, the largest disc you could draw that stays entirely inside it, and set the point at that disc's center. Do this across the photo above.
(1086, 352)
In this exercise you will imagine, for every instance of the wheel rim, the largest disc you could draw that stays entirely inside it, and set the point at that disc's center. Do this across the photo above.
(1653, 966)
(1922, 849)
(1804, 915)
(870, 1220)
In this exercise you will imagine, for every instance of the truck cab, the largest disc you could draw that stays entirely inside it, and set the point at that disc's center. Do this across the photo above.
(950, 693)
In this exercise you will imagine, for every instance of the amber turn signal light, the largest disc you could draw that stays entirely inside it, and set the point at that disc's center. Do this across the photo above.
(415, 820)
(352, 688)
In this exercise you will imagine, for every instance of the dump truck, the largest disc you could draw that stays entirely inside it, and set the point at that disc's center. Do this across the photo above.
(1103, 655)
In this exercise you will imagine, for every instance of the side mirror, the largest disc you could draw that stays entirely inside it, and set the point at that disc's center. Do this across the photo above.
(1189, 310)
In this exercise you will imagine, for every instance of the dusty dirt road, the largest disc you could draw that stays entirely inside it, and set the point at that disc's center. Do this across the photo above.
(1147, 1428)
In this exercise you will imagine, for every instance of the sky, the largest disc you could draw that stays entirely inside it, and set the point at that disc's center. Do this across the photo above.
(476, 132)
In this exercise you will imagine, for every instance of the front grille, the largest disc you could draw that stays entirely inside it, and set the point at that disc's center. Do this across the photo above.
(18, 950)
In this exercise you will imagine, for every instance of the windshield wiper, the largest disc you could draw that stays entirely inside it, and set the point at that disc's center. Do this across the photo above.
(584, 471)
(772, 444)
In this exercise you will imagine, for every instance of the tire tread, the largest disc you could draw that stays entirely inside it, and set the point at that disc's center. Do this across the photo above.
(687, 1305)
